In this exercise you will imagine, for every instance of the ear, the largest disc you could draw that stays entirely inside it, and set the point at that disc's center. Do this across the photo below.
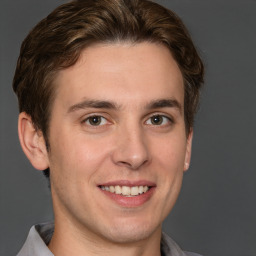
(32, 142)
(188, 150)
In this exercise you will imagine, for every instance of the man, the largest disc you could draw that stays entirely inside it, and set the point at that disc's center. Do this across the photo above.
(107, 94)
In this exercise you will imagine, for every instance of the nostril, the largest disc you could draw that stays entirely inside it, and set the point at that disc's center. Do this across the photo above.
(134, 165)
(125, 163)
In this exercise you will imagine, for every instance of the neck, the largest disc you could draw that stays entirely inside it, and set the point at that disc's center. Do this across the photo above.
(71, 240)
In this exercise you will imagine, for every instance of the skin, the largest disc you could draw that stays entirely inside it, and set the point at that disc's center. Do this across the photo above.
(124, 145)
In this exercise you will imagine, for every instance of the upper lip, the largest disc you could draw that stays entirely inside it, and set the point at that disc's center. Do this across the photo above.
(129, 183)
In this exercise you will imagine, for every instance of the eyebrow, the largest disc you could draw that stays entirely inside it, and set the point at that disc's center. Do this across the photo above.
(93, 104)
(103, 104)
(163, 103)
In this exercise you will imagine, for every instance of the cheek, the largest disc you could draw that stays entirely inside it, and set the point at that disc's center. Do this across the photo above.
(169, 162)
(170, 154)
(77, 157)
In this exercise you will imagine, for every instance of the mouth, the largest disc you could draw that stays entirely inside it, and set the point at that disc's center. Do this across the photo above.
(127, 191)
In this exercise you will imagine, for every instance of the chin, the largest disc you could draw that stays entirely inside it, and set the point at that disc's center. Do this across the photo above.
(130, 232)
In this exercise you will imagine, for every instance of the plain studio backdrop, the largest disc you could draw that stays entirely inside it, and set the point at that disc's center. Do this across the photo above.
(215, 214)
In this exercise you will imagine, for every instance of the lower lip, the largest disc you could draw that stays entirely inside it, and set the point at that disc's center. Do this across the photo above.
(132, 201)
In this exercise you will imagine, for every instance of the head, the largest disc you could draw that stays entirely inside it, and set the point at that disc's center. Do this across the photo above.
(111, 87)
(58, 40)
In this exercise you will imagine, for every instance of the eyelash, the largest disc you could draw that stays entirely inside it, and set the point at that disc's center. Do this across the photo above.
(165, 119)
(90, 118)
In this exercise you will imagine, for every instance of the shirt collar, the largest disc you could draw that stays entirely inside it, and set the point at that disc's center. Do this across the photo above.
(40, 235)
(38, 238)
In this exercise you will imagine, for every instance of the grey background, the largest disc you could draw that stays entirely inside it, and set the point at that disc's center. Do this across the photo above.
(216, 212)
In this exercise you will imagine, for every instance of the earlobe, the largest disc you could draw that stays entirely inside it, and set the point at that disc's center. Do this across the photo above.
(32, 142)
(188, 151)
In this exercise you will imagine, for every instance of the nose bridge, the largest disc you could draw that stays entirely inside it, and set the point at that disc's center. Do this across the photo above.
(132, 150)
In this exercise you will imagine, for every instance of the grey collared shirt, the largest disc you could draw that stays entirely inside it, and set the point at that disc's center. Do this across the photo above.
(40, 235)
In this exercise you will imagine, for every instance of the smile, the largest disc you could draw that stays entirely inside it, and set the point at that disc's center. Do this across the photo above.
(126, 190)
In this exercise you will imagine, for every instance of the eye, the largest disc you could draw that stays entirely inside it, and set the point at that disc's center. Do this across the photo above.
(158, 120)
(95, 121)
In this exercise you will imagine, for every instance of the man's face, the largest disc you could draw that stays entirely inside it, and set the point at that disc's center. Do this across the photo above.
(118, 146)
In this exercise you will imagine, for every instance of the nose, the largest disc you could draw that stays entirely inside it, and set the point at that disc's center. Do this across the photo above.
(131, 149)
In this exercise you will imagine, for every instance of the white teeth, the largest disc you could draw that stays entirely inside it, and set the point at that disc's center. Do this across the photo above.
(134, 191)
(118, 190)
(125, 190)
(145, 189)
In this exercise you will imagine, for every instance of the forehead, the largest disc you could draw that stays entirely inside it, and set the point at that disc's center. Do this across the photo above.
(121, 71)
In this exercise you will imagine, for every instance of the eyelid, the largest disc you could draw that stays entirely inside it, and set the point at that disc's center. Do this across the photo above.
(86, 118)
(163, 115)
(103, 120)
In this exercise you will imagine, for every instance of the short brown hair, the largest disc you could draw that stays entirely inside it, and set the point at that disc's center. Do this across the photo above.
(57, 41)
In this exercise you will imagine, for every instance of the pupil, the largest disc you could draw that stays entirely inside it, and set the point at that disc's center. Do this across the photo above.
(157, 120)
(95, 120)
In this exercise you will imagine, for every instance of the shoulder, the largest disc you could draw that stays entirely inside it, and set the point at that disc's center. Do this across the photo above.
(36, 242)
(170, 247)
